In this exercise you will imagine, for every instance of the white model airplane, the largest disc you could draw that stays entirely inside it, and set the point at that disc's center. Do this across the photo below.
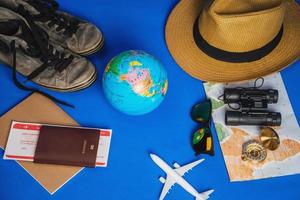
(175, 176)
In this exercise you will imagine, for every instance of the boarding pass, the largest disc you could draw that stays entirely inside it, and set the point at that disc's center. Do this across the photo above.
(23, 139)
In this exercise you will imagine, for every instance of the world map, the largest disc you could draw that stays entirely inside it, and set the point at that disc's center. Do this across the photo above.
(283, 161)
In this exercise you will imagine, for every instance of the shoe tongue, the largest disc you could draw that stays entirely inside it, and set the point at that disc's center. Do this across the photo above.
(10, 28)
(20, 30)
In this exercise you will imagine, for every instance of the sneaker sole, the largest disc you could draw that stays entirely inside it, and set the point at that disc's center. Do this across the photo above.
(97, 48)
(76, 88)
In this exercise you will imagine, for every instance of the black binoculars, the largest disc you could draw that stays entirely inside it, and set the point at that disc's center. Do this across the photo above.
(253, 103)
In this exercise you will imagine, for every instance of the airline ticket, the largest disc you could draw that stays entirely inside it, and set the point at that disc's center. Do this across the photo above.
(23, 139)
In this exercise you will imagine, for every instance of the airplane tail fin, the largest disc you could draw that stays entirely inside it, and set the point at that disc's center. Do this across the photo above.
(205, 195)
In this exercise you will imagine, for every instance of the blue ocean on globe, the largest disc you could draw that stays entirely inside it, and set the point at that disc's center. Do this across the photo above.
(135, 82)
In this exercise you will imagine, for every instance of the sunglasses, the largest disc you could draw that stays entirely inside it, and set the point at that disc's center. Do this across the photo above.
(202, 139)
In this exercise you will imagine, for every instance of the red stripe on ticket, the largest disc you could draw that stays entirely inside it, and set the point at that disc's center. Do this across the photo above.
(19, 157)
(100, 163)
(31, 127)
(104, 133)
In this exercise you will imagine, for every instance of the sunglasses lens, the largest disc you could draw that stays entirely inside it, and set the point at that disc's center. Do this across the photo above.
(201, 112)
(202, 142)
(199, 135)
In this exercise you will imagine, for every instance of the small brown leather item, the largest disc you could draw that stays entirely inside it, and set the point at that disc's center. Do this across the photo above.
(67, 146)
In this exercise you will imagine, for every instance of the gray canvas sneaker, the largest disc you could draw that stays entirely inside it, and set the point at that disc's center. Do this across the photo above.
(64, 29)
(26, 48)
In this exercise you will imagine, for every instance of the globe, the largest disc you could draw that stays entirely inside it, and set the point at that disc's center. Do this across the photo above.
(135, 82)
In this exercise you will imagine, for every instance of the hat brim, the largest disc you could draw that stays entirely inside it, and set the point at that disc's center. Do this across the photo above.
(181, 44)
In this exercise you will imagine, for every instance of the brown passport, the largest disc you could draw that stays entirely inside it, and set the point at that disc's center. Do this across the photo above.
(67, 146)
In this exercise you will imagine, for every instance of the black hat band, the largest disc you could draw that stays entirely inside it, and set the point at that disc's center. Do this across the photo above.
(234, 57)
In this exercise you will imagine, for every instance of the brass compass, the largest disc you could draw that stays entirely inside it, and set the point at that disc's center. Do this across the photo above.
(269, 138)
(253, 151)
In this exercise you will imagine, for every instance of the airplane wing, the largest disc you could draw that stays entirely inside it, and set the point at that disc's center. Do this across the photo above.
(169, 182)
(184, 169)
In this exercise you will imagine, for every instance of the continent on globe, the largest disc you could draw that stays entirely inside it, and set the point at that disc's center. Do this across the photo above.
(140, 80)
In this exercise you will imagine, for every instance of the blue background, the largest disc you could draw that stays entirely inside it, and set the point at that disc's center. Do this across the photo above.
(131, 174)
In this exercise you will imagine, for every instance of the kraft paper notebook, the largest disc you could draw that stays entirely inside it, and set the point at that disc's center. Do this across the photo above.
(37, 108)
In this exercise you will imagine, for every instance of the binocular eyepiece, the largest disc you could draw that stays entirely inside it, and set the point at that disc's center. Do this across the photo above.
(237, 95)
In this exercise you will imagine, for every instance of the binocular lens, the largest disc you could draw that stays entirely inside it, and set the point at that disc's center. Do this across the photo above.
(234, 118)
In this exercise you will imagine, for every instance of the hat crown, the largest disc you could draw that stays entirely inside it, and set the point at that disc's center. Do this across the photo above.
(241, 25)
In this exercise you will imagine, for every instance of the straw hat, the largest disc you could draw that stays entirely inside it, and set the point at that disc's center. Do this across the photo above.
(234, 40)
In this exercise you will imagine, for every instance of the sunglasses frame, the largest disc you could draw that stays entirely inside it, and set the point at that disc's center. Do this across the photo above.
(203, 125)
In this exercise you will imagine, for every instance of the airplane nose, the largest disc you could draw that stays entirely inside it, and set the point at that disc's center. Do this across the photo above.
(152, 155)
